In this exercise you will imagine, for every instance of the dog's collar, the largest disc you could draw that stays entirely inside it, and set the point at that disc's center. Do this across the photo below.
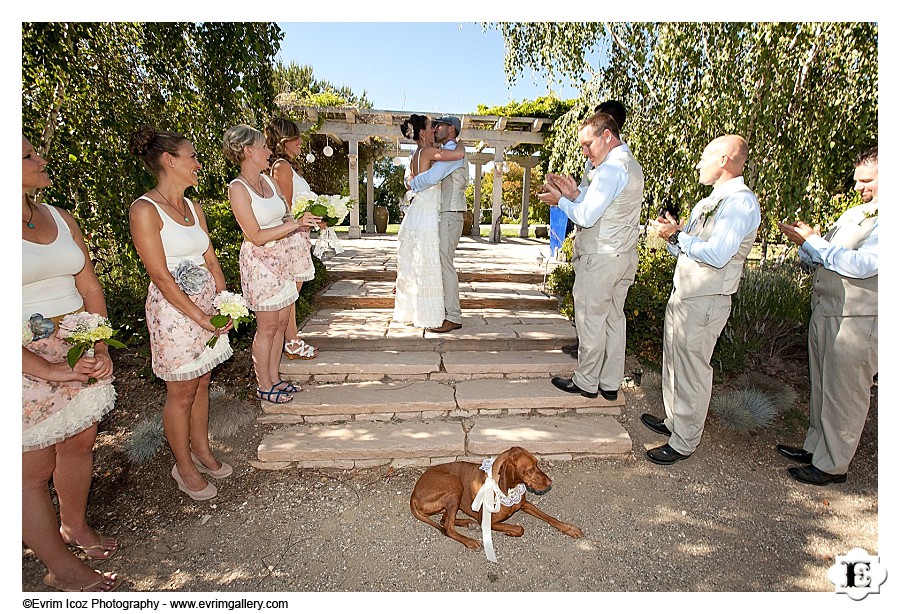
(513, 497)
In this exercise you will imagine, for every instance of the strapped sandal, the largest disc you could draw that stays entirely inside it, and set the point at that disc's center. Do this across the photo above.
(284, 386)
(298, 348)
(280, 397)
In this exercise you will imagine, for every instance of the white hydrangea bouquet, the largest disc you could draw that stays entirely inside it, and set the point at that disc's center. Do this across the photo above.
(230, 306)
(83, 330)
(333, 209)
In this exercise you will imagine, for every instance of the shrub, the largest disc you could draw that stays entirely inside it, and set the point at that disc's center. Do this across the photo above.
(769, 315)
(645, 306)
(743, 410)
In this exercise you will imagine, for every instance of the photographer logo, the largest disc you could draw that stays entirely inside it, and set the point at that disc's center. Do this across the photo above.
(857, 574)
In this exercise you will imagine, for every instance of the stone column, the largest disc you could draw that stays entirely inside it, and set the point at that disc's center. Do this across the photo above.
(526, 190)
(497, 197)
(476, 204)
(370, 196)
(353, 179)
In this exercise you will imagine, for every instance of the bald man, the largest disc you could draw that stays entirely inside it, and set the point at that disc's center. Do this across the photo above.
(711, 249)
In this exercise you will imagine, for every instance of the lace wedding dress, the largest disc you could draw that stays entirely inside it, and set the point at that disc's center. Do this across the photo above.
(419, 297)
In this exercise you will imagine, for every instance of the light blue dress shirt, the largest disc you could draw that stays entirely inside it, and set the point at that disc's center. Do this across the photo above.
(608, 181)
(856, 263)
(737, 216)
(438, 171)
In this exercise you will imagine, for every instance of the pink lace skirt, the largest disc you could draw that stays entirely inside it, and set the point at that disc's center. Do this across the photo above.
(54, 411)
(267, 275)
(177, 343)
(300, 247)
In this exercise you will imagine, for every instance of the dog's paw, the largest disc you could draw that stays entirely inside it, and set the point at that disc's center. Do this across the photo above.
(472, 544)
(573, 531)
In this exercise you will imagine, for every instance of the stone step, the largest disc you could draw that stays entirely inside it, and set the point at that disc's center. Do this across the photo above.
(368, 365)
(383, 401)
(438, 441)
(360, 293)
(498, 328)
(464, 276)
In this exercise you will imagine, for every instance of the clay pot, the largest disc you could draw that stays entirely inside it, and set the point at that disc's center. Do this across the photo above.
(381, 219)
(468, 221)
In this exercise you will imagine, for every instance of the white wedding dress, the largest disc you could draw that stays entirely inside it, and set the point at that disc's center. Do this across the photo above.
(419, 297)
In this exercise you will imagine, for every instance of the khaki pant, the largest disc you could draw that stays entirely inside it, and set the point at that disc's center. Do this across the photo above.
(692, 327)
(450, 225)
(843, 360)
(601, 285)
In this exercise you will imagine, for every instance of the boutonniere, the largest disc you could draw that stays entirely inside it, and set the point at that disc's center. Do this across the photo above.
(872, 213)
(708, 208)
(591, 174)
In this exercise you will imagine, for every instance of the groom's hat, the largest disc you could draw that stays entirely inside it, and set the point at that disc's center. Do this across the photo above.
(450, 121)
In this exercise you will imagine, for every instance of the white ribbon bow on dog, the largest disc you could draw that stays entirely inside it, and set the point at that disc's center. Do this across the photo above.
(489, 498)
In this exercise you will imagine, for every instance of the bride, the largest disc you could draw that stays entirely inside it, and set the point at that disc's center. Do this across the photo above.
(419, 291)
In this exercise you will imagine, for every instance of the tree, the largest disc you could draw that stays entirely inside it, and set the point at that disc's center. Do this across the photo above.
(87, 86)
(805, 95)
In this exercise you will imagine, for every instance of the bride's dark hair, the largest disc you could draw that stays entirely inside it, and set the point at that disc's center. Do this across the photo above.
(410, 128)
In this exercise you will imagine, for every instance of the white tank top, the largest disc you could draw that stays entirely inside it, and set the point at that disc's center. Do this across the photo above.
(269, 212)
(48, 273)
(181, 242)
(298, 183)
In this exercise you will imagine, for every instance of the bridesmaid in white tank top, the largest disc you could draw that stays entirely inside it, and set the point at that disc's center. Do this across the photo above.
(59, 412)
(283, 139)
(267, 266)
(171, 237)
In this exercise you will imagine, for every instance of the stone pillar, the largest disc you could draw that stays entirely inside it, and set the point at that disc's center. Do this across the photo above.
(370, 196)
(353, 179)
(476, 202)
(497, 199)
(526, 190)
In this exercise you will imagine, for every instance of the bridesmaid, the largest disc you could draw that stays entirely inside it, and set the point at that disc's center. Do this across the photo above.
(283, 139)
(172, 239)
(267, 268)
(59, 413)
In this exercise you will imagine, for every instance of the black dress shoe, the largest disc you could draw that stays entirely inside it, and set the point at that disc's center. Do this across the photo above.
(655, 424)
(811, 475)
(795, 454)
(665, 455)
(567, 385)
(568, 349)
(609, 395)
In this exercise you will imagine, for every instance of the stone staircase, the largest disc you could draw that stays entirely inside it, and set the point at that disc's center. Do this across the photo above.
(382, 393)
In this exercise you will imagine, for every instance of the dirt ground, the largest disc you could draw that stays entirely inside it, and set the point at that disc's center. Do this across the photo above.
(728, 519)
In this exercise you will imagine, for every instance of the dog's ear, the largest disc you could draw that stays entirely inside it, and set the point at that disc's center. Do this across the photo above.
(506, 465)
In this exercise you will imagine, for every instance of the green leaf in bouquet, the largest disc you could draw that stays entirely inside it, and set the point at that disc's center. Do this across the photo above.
(74, 354)
(116, 344)
(319, 210)
(219, 320)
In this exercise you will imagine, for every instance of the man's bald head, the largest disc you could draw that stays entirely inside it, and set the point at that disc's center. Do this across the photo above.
(723, 159)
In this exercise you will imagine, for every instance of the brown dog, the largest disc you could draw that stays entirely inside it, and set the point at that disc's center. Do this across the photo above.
(452, 486)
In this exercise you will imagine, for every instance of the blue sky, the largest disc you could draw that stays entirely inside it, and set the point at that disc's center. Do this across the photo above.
(434, 67)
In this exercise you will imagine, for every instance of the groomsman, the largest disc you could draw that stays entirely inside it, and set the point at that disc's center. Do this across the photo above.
(711, 249)
(606, 215)
(843, 331)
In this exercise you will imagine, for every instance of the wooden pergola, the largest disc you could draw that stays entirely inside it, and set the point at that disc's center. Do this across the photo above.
(479, 132)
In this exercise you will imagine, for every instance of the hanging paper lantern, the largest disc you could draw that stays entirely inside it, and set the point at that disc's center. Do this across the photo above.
(310, 158)
(328, 151)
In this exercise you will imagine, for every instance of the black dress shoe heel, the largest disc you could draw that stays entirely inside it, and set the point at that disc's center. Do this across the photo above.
(609, 395)
(795, 454)
(810, 474)
(655, 424)
(567, 385)
(665, 455)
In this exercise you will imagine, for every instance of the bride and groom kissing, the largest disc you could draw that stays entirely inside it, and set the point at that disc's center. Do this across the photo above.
(427, 288)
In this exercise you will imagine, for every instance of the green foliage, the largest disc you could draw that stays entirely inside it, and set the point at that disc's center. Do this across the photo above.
(743, 410)
(645, 306)
(769, 315)
(511, 197)
(805, 95)
(560, 283)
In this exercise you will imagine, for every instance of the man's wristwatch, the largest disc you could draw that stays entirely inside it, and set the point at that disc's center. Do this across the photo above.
(673, 238)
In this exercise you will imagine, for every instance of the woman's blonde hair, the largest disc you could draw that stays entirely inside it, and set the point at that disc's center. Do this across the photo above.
(238, 137)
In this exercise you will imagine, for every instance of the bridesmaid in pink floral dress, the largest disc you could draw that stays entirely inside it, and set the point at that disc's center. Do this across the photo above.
(268, 270)
(283, 139)
(59, 411)
(172, 239)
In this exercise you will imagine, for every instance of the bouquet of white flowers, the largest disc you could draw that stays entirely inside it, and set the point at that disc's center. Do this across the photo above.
(83, 330)
(333, 209)
(229, 305)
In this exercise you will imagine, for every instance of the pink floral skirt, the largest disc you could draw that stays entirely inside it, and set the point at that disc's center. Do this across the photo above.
(177, 343)
(54, 411)
(267, 275)
(300, 248)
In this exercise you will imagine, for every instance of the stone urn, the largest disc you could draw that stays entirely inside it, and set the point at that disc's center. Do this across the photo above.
(468, 221)
(541, 232)
(381, 219)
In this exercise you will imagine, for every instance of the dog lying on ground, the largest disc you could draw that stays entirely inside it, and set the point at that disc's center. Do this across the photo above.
(452, 487)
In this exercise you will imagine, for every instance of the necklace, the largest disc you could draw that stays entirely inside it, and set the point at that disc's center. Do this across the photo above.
(183, 214)
(28, 222)
(255, 189)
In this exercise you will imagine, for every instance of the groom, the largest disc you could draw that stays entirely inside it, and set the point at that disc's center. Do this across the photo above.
(453, 177)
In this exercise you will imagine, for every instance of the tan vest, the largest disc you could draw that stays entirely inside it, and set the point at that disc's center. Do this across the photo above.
(453, 188)
(836, 295)
(694, 278)
(617, 229)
